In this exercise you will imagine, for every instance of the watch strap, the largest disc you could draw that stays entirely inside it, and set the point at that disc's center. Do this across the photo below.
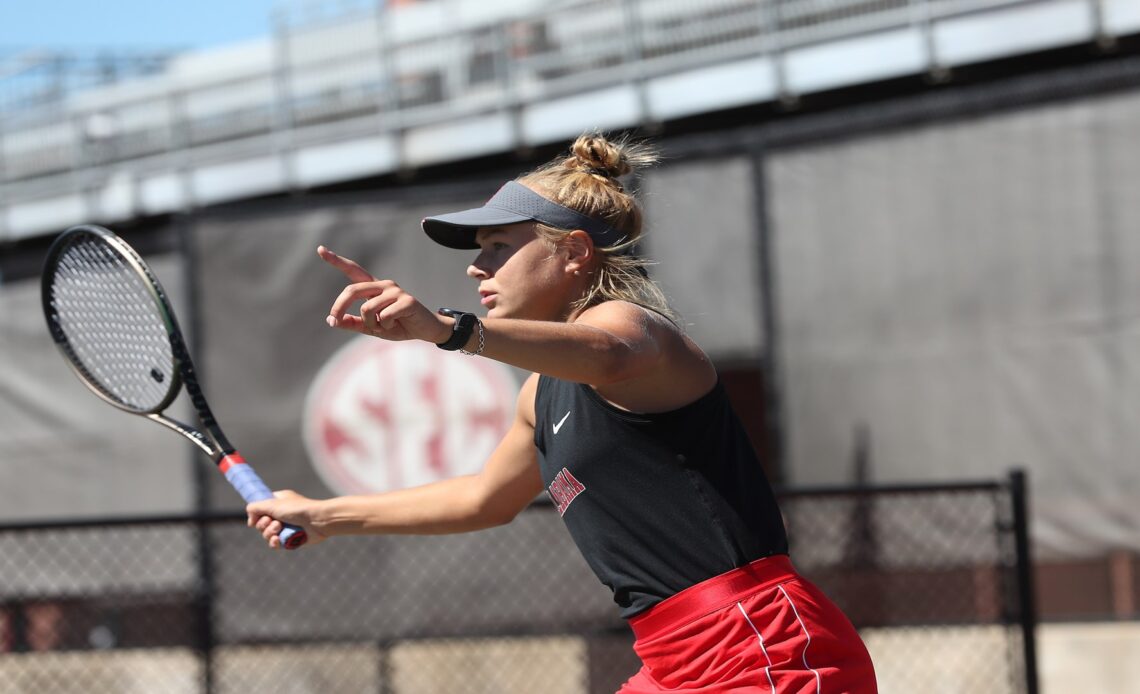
(461, 331)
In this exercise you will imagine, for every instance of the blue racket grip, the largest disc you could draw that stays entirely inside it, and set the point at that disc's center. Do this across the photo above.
(241, 475)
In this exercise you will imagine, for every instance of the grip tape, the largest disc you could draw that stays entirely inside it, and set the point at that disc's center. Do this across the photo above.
(247, 483)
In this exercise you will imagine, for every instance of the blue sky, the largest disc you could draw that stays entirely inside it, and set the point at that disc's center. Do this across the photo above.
(131, 24)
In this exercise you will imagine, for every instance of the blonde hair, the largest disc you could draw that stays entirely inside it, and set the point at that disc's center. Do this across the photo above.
(586, 180)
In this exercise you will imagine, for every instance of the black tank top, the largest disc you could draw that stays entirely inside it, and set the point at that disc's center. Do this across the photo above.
(655, 502)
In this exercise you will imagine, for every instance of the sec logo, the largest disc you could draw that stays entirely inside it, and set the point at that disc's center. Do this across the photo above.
(389, 415)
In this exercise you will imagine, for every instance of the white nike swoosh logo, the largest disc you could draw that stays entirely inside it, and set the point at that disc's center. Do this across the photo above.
(559, 424)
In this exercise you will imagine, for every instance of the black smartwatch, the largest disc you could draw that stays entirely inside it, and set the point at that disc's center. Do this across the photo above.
(460, 332)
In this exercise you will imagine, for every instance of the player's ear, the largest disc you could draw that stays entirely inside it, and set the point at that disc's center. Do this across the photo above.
(579, 250)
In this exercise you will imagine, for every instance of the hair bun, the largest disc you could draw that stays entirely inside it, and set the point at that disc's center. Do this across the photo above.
(595, 154)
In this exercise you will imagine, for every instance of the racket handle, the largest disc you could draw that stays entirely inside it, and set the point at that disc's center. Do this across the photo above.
(241, 475)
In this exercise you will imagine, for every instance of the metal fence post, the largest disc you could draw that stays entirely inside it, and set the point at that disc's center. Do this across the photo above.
(769, 306)
(204, 598)
(1027, 606)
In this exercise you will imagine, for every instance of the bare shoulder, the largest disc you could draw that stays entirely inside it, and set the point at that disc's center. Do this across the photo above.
(635, 322)
(677, 371)
(620, 315)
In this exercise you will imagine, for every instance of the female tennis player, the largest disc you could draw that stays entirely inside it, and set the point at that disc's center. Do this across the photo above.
(624, 424)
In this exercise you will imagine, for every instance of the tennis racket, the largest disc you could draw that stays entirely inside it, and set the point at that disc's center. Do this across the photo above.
(110, 318)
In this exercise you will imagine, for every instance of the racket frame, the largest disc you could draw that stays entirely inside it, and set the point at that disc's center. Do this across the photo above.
(210, 438)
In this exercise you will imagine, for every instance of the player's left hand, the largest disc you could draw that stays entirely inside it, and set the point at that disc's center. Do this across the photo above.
(386, 311)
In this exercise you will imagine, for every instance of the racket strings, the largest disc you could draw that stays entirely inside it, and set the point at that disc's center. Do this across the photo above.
(114, 330)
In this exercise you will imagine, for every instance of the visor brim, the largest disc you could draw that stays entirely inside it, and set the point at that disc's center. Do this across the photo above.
(457, 229)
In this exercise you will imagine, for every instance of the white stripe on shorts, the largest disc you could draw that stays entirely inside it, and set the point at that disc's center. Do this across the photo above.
(818, 682)
(768, 669)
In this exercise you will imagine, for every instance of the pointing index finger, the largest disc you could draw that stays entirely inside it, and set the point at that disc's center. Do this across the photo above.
(350, 268)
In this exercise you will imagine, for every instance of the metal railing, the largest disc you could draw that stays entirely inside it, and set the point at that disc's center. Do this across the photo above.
(383, 70)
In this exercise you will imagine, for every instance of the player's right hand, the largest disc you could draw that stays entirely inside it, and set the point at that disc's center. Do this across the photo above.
(270, 515)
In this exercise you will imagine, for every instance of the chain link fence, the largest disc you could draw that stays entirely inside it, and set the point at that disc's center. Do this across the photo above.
(929, 575)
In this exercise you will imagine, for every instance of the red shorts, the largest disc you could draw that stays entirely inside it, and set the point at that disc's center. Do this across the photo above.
(759, 628)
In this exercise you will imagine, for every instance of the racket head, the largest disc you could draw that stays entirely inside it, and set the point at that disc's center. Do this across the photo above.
(109, 316)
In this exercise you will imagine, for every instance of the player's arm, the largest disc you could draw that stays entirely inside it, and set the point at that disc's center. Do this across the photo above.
(611, 342)
(507, 484)
(634, 357)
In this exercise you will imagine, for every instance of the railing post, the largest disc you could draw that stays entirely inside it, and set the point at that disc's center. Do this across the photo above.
(282, 121)
(1027, 601)
(3, 184)
(634, 68)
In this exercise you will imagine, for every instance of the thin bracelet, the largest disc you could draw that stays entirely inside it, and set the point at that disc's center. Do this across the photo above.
(482, 343)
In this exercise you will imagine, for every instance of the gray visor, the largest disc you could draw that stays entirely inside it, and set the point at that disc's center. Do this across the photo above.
(514, 203)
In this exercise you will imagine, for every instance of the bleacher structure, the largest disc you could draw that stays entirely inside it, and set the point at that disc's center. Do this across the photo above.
(370, 89)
